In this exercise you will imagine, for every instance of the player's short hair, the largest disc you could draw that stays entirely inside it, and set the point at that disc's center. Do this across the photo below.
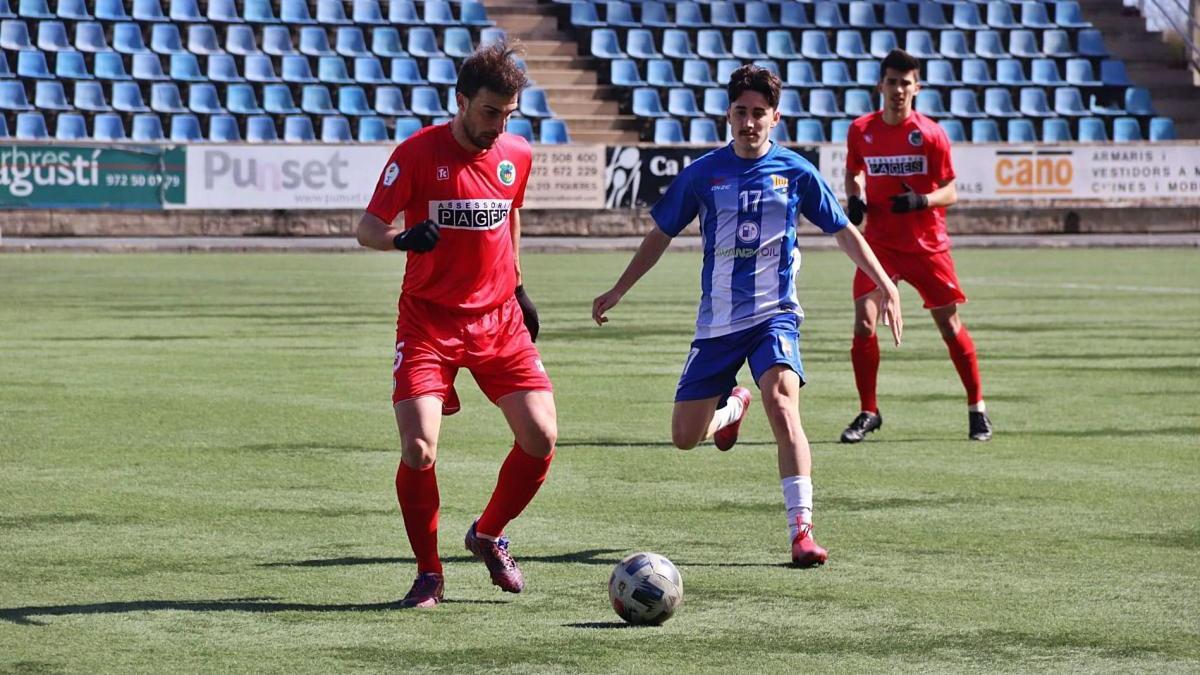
(899, 60)
(492, 67)
(754, 78)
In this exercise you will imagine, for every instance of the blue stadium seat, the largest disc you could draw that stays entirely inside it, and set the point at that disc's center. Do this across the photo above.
(1033, 15)
(457, 43)
(240, 40)
(940, 73)
(108, 126)
(314, 41)
(1126, 129)
(1056, 131)
(952, 44)
(333, 12)
(389, 101)
(521, 127)
(127, 97)
(800, 74)
(298, 129)
(202, 99)
(1057, 44)
(1068, 102)
(716, 101)
(823, 103)
(624, 73)
(1112, 74)
(295, 69)
(839, 130)
(406, 71)
(426, 102)
(295, 13)
(368, 70)
(184, 68)
(654, 15)
(1000, 15)
(964, 105)
(31, 64)
(849, 45)
(790, 104)
(222, 68)
(681, 102)
(259, 11)
(919, 43)
(277, 100)
(241, 100)
(441, 71)
(862, 15)
(954, 130)
(49, 95)
(70, 127)
(403, 13)
(109, 66)
(367, 13)
(52, 37)
(1162, 129)
(316, 100)
(202, 39)
(1090, 43)
(696, 73)
(932, 16)
(127, 38)
(165, 39)
(660, 73)
(34, 9)
(677, 44)
(896, 15)
(89, 37)
(164, 98)
(985, 131)
(184, 11)
(261, 129)
(810, 131)
(224, 129)
(31, 126)
(814, 45)
(148, 11)
(111, 10)
(781, 46)
(1011, 73)
(882, 42)
(1091, 130)
(1044, 72)
(725, 68)
(1033, 103)
(966, 16)
(335, 129)
(260, 68)
(385, 43)
(929, 103)
(147, 128)
(828, 15)
(867, 73)
(1023, 44)
(438, 13)
(533, 103)
(745, 45)
(422, 42)
(474, 14)
(703, 131)
(710, 44)
(585, 15)
(722, 14)
(835, 74)
(407, 126)
(646, 103)
(639, 44)
(989, 46)
(780, 133)
(1021, 131)
(770, 65)
(620, 14)
(688, 15)
(1080, 73)
(372, 130)
(12, 96)
(352, 101)
(5, 72)
(71, 66)
(71, 10)
(1068, 15)
(667, 131)
(1104, 105)
(185, 129)
(859, 102)
(219, 11)
(758, 15)
(554, 132)
(794, 15)
(1137, 102)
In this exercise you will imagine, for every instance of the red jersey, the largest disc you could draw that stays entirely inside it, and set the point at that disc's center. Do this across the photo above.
(915, 152)
(470, 196)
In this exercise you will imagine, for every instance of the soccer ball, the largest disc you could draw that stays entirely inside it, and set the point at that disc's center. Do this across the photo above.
(645, 589)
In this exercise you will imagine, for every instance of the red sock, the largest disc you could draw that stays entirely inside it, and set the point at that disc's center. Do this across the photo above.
(864, 354)
(962, 353)
(417, 491)
(520, 477)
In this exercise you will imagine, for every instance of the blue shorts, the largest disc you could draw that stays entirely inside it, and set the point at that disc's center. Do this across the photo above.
(712, 365)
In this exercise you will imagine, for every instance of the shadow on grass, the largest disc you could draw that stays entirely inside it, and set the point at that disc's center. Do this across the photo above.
(604, 625)
(594, 556)
(22, 615)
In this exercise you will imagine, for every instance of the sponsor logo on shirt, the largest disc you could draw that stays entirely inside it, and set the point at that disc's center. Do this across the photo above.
(868, 138)
(389, 175)
(779, 184)
(470, 214)
(896, 165)
(748, 231)
(443, 173)
(506, 172)
(747, 252)
(720, 184)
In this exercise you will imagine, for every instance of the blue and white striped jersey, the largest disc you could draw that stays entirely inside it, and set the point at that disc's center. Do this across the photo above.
(747, 212)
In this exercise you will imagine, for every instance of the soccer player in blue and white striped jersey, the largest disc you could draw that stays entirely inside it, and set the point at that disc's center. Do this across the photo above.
(748, 196)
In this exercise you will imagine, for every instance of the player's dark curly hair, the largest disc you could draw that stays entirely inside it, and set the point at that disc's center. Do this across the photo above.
(901, 61)
(492, 67)
(754, 78)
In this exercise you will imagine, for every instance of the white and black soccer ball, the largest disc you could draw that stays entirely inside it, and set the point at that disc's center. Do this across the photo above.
(645, 589)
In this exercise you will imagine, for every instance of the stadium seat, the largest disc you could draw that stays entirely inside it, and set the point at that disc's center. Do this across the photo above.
(295, 69)
(403, 13)
(298, 129)
(810, 131)
(109, 66)
(456, 42)
(954, 130)
(859, 102)
(794, 15)
(202, 99)
(1000, 15)
(1068, 15)
(677, 44)
(1057, 44)
(710, 44)
(814, 45)
(1021, 131)
(372, 130)
(222, 68)
(940, 73)
(667, 131)
(1112, 74)
(202, 39)
(1090, 43)
(681, 102)
(333, 12)
(385, 43)
(1126, 129)
(34, 9)
(224, 129)
(147, 128)
(70, 127)
(367, 13)
(4, 127)
(1033, 103)
(838, 130)
(89, 37)
(335, 129)
(316, 100)
(108, 126)
(1105, 106)
(259, 68)
(219, 11)
(533, 103)
(661, 73)
(260, 129)
(1033, 15)
(1056, 131)
(697, 74)
(605, 45)
(1068, 102)
(800, 74)
(240, 40)
(185, 129)
(241, 100)
(127, 97)
(1011, 73)
(722, 14)
(164, 98)
(790, 104)
(882, 43)
(929, 103)
(426, 102)
(277, 100)
(620, 14)
(407, 126)
(758, 15)
(314, 41)
(71, 66)
(966, 16)
(896, 15)
(867, 73)
(184, 11)
(780, 133)
(1080, 74)
(861, 15)
(89, 96)
(352, 101)
(703, 131)
(422, 42)
(585, 15)
(52, 37)
(1137, 102)
(823, 103)
(368, 70)
(1091, 130)
(31, 126)
(848, 45)
(5, 72)
(441, 71)
(985, 131)
(828, 16)
(111, 10)
(12, 96)
(646, 103)
(989, 46)
(964, 105)
(919, 43)
(389, 101)
(521, 127)
(49, 95)
(716, 102)
(1162, 129)
(472, 13)
(185, 68)
(835, 74)
(127, 38)
(31, 64)
(71, 10)
(148, 11)
(952, 44)
(406, 71)
(1044, 72)
(932, 16)
(438, 13)
(624, 73)
(1023, 44)
(639, 44)
(745, 45)
(781, 46)
(654, 15)
(688, 15)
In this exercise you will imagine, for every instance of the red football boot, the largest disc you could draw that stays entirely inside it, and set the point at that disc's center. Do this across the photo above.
(726, 437)
(426, 591)
(805, 550)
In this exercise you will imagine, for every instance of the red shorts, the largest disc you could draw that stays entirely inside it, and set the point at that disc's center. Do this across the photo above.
(932, 274)
(432, 343)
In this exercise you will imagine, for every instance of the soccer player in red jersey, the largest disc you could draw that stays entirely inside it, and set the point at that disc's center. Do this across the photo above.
(909, 183)
(462, 306)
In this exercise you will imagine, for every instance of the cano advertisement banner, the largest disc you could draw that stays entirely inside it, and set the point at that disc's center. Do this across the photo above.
(1111, 174)
(88, 177)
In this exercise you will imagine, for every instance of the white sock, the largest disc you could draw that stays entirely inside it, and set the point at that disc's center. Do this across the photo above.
(729, 413)
(977, 407)
(797, 497)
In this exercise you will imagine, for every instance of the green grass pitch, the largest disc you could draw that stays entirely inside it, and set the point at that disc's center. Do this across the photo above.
(197, 457)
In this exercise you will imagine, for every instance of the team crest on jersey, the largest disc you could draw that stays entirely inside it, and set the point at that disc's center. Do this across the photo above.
(779, 184)
(506, 172)
(470, 214)
(390, 174)
(748, 231)
(915, 138)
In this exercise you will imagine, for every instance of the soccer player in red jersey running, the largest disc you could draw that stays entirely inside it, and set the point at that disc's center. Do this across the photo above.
(909, 183)
(462, 306)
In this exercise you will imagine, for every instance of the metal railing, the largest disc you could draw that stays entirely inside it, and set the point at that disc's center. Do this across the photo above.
(1185, 32)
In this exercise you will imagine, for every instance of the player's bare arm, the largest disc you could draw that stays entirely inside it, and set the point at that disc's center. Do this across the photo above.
(651, 249)
(850, 241)
(945, 195)
(374, 233)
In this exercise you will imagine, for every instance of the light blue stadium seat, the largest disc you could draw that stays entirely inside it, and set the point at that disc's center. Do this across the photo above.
(241, 100)
(368, 70)
(1162, 129)
(861, 15)
(1104, 105)
(385, 43)
(108, 126)
(224, 129)
(31, 126)
(985, 131)
(367, 13)
(165, 39)
(295, 69)
(426, 102)
(12, 96)
(940, 73)
(332, 12)
(1090, 43)
(147, 128)
(1068, 15)
(457, 43)
(372, 130)
(1011, 73)
(202, 39)
(814, 45)
(1033, 15)
(745, 45)
(260, 68)
(1091, 130)
(810, 131)
(790, 104)
(439, 13)
(1057, 44)
(259, 11)
(780, 133)
(109, 66)
(406, 71)
(186, 129)
(1056, 130)
(988, 44)
(758, 15)
(795, 15)
(952, 44)
(919, 43)
(585, 15)
(1068, 101)
(295, 13)
(839, 130)
(716, 101)
(31, 64)
(647, 104)
(882, 43)
(661, 73)
(184, 68)
(1080, 74)
(828, 16)
(441, 71)
(5, 71)
(624, 73)
(203, 99)
(422, 43)
(932, 16)
(668, 131)
(240, 40)
(316, 100)
(298, 129)
(1021, 131)
(219, 11)
(781, 46)
(1023, 44)
(49, 95)
(389, 101)
(977, 73)
(474, 14)
(71, 10)
(1044, 72)
(620, 14)
(964, 105)
(111, 10)
(725, 68)
(867, 73)
(710, 44)
(352, 101)
(403, 13)
(261, 129)
(681, 102)
(929, 103)
(654, 15)
(70, 127)
(1126, 129)
(823, 103)
(148, 11)
(222, 68)
(52, 37)
(1137, 102)
(407, 126)
(835, 74)
(859, 102)
(677, 44)
(314, 41)
(521, 127)
(688, 15)
(966, 16)
(723, 14)
(849, 45)
(335, 129)
(800, 74)
(34, 9)
(703, 131)
(954, 129)
(184, 11)
(1033, 103)
(554, 132)
(277, 100)
(89, 37)
(1000, 15)
(349, 42)
(165, 98)
(127, 97)
(71, 66)
(896, 15)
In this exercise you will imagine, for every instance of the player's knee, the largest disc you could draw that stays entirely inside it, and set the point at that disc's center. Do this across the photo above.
(864, 327)
(540, 443)
(683, 437)
(418, 452)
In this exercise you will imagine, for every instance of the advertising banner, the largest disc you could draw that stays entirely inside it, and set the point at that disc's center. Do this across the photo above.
(88, 177)
(566, 177)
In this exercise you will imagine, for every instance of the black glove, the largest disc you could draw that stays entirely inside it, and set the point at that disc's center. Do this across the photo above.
(529, 312)
(856, 208)
(420, 238)
(909, 201)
